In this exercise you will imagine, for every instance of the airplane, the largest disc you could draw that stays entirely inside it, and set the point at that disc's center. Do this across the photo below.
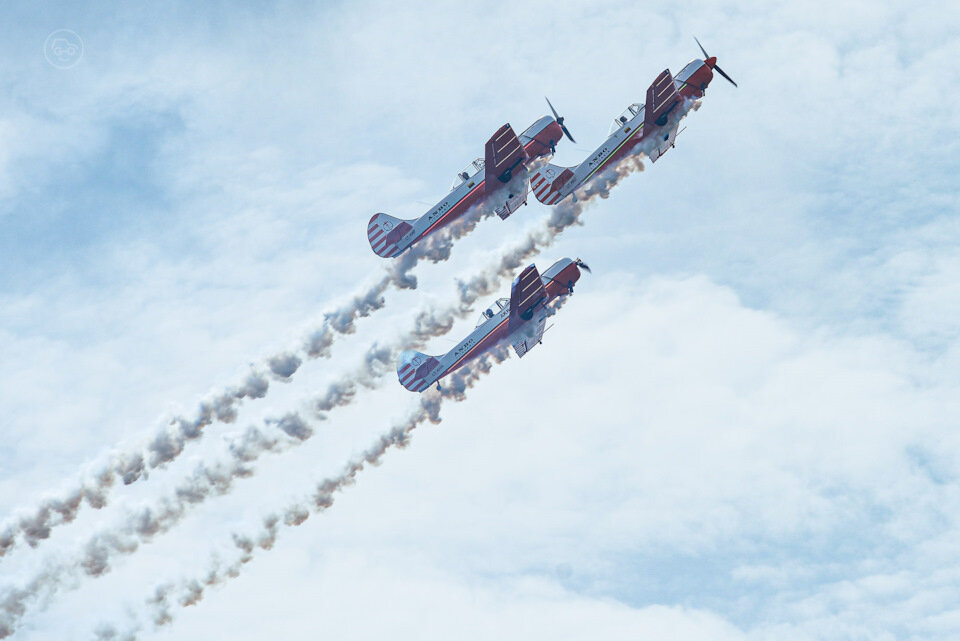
(520, 319)
(498, 180)
(657, 118)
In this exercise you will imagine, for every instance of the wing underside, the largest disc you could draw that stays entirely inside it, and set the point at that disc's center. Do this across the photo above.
(665, 142)
(532, 334)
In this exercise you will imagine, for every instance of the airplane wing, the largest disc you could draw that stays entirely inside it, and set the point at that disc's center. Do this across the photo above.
(665, 142)
(503, 154)
(662, 97)
(532, 334)
(526, 294)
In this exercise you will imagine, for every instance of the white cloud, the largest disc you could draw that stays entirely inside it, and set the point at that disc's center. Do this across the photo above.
(756, 443)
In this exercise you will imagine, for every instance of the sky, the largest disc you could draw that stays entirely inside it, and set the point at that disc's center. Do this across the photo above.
(742, 426)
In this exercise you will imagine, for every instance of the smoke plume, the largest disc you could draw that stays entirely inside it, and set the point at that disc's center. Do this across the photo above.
(379, 360)
(159, 606)
(34, 525)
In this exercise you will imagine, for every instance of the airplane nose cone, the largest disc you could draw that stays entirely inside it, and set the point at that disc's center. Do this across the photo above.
(574, 274)
(711, 61)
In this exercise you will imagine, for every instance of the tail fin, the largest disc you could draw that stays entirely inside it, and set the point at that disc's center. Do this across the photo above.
(547, 183)
(384, 232)
(662, 97)
(414, 370)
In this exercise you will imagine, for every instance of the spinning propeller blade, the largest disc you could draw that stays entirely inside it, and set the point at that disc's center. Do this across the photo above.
(583, 265)
(716, 67)
(559, 120)
(705, 54)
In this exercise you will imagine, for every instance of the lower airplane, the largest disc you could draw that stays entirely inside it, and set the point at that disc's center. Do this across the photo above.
(520, 320)
(656, 120)
(497, 182)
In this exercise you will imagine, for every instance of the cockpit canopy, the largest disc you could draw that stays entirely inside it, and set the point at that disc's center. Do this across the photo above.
(467, 173)
(628, 114)
(493, 310)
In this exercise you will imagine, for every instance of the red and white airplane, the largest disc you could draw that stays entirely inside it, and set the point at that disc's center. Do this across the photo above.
(520, 320)
(498, 181)
(655, 121)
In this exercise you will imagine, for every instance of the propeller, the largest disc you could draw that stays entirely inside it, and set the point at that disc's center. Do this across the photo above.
(714, 66)
(583, 265)
(559, 120)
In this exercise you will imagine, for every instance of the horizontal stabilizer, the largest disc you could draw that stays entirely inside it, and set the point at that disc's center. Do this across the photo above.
(547, 183)
(384, 233)
(414, 369)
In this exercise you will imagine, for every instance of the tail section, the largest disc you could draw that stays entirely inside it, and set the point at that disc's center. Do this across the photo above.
(384, 233)
(416, 370)
(547, 183)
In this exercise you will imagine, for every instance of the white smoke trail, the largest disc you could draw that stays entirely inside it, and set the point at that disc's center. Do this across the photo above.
(141, 526)
(436, 247)
(190, 591)
(217, 479)
(378, 361)
(34, 525)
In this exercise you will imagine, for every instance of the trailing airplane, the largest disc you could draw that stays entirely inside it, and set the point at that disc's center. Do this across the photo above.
(496, 182)
(656, 120)
(519, 320)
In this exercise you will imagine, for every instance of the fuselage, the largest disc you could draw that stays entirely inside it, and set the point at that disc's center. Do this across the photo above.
(470, 189)
(494, 330)
(630, 131)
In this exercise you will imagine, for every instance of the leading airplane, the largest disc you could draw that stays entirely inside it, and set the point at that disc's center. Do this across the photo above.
(657, 120)
(520, 320)
(497, 182)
